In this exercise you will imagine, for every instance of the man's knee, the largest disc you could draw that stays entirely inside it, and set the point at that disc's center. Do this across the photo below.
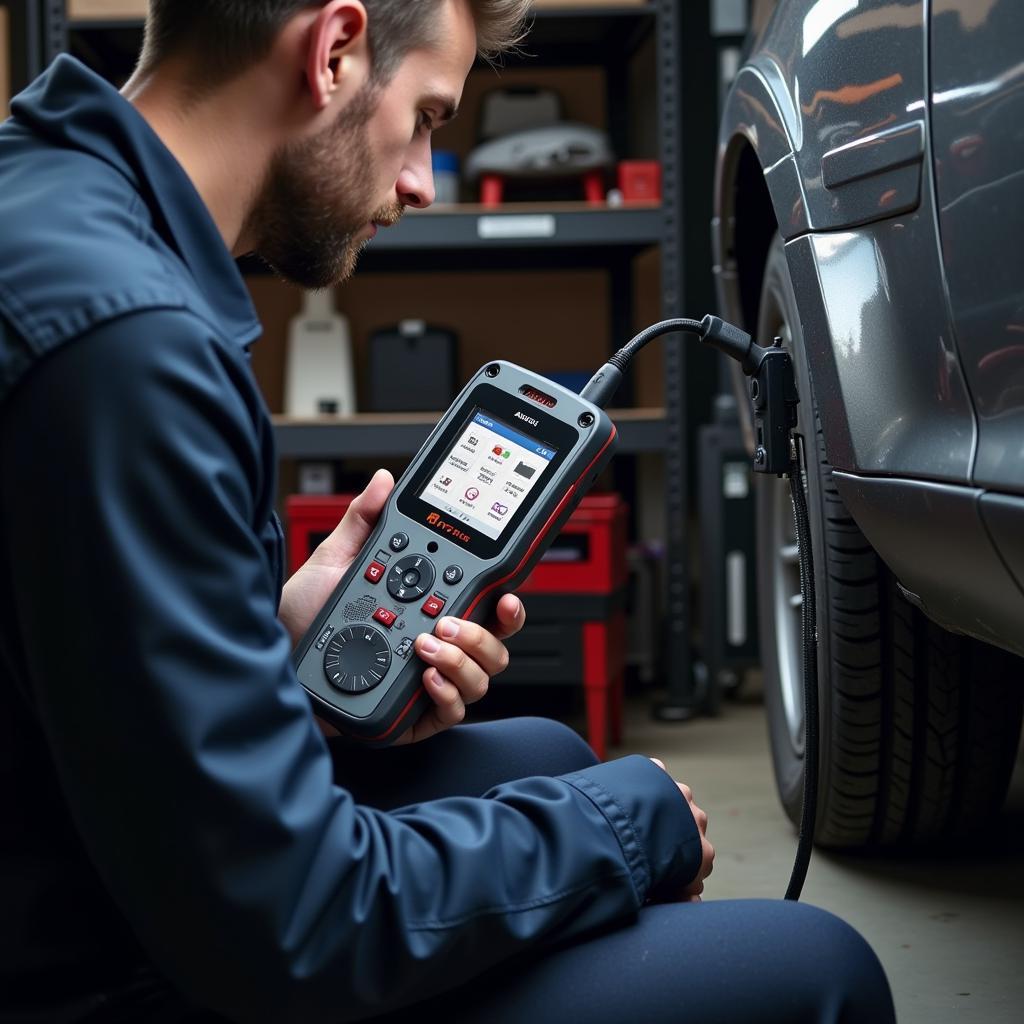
(564, 742)
(554, 748)
(838, 957)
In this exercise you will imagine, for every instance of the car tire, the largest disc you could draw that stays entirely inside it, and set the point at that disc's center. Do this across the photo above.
(919, 728)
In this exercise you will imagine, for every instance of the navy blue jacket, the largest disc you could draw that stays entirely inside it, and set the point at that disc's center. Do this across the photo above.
(166, 799)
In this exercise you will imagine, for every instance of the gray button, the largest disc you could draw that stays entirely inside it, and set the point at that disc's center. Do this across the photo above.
(399, 542)
(453, 574)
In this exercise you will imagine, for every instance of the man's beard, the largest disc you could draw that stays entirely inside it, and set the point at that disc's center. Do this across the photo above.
(317, 198)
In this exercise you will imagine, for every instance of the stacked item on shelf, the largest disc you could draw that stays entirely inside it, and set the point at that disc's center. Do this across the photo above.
(523, 136)
(413, 368)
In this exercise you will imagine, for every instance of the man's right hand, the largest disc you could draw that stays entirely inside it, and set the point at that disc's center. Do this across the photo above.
(692, 893)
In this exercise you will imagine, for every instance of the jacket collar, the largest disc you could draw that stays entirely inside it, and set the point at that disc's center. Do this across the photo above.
(72, 106)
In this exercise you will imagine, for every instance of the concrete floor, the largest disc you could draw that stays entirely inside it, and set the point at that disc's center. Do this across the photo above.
(949, 931)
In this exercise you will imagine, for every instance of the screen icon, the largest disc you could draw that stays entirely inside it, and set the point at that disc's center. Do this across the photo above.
(474, 441)
(524, 470)
(445, 481)
(498, 509)
(472, 494)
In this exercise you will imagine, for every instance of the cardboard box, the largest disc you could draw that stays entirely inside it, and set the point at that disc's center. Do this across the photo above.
(102, 10)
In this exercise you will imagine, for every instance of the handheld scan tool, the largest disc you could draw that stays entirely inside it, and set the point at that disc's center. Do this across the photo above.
(471, 516)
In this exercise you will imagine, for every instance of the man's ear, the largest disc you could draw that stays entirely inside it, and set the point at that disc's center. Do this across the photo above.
(338, 54)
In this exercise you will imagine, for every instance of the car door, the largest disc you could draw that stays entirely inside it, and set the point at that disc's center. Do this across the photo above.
(977, 61)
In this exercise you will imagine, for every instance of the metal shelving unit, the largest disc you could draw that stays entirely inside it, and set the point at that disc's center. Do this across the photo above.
(565, 235)
(385, 435)
(687, 112)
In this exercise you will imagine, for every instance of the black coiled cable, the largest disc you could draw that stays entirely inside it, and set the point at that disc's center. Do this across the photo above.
(808, 619)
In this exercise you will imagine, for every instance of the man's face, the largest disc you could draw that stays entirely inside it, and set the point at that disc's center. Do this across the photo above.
(327, 195)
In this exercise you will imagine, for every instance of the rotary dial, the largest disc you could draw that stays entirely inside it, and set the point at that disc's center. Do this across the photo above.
(357, 659)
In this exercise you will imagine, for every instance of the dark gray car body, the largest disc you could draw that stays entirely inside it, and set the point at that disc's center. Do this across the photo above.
(884, 141)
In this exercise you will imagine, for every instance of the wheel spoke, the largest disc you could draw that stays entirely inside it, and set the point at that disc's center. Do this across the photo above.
(790, 554)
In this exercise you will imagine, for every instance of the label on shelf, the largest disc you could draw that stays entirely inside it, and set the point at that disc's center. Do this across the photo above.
(537, 225)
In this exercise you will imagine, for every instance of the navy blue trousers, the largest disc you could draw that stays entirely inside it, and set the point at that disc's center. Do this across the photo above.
(716, 962)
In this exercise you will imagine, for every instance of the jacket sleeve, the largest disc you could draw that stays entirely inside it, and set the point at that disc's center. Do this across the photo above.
(133, 462)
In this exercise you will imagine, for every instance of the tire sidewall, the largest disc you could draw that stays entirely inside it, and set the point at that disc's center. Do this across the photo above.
(778, 306)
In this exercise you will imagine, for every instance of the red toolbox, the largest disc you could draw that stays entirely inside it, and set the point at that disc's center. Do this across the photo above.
(309, 519)
(575, 601)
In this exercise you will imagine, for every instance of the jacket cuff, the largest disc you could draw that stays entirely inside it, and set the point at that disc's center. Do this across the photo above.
(659, 838)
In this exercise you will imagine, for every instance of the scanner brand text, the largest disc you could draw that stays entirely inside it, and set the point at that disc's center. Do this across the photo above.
(439, 524)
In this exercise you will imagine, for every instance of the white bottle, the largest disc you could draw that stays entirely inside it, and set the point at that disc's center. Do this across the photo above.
(319, 374)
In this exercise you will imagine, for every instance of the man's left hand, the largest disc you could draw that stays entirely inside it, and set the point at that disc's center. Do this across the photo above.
(467, 655)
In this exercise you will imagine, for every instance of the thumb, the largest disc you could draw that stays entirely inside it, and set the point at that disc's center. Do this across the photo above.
(359, 520)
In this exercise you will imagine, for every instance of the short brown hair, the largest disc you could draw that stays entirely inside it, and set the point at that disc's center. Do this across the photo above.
(225, 37)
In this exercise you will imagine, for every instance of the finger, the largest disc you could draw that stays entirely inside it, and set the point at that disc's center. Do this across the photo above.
(708, 862)
(457, 667)
(356, 525)
(686, 791)
(510, 617)
(450, 708)
(660, 764)
(477, 643)
(700, 817)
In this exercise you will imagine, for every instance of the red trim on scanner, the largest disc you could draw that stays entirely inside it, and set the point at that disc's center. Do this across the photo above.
(547, 526)
(408, 707)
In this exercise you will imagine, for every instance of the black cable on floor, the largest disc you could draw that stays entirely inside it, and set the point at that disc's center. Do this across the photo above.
(808, 620)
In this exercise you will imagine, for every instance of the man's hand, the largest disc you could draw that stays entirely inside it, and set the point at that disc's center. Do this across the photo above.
(306, 593)
(463, 657)
(692, 893)
(466, 655)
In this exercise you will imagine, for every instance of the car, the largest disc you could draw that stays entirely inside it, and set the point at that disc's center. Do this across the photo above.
(869, 211)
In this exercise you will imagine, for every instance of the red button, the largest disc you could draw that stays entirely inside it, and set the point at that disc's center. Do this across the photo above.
(384, 617)
(433, 606)
(375, 572)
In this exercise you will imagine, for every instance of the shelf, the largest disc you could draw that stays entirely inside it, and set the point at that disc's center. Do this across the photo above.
(527, 236)
(378, 435)
(532, 225)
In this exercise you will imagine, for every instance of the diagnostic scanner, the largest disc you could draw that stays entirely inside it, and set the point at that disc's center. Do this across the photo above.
(471, 516)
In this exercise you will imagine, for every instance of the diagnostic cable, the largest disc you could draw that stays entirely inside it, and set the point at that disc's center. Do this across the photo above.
(777, 451)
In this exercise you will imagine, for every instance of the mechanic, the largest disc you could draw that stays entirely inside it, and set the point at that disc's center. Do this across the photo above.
(178, 843)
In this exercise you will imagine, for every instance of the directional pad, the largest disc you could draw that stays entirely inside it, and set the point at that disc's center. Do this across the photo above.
(410, 578)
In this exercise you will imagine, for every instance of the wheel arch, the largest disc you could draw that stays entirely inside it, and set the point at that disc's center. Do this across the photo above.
(753, 137)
